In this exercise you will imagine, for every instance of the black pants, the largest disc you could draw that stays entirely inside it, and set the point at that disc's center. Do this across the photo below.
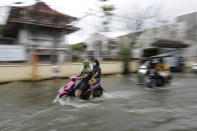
(82, 85)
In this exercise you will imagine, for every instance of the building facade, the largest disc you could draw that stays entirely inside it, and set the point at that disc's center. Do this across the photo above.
(102, 48)
(190, 22)
(39, 29)
(96, 46)
(176, 31)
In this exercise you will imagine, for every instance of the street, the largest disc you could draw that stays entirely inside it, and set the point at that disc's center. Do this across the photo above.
(124, 106)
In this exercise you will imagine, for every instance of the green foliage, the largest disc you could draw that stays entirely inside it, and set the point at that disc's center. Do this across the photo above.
(77, 47)
(1, 28)
(125, 54)
(107, 13)
(75, 58)
(106, 28)
(107, 8)
(105, 22)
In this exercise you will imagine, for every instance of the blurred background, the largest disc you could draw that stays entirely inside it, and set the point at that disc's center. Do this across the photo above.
(44, 39)
(36, 32)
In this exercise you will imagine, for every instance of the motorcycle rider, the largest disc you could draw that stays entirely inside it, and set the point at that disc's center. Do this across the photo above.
(151, 69)
(85, 76)
(163, 69)
(96, 73)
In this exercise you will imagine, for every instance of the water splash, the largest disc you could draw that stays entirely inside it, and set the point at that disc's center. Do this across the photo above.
(57, 99)
(68, 101)
(77, 104)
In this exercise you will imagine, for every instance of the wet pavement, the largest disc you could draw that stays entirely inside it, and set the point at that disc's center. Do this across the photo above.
(125, 106)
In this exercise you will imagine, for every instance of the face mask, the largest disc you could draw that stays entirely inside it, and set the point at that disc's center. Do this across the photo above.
(94, 64)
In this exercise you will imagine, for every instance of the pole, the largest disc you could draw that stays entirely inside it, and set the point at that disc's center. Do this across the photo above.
(35, 57)
(34, 66)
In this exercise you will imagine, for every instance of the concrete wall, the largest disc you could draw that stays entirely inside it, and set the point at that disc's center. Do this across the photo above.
(15, 72)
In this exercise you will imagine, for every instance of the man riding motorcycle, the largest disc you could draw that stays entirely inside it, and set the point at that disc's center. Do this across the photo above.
(164, 70)
(85, 76)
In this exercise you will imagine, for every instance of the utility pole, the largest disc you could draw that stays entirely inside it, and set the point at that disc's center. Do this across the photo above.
(35, 57)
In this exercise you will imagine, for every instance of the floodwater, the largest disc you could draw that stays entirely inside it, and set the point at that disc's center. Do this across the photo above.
(125, 106)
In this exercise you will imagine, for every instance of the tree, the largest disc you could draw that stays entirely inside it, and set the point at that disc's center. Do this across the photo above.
(1, 29)
(78, 47)
(107, 10)
(136, 25)
(125, 54)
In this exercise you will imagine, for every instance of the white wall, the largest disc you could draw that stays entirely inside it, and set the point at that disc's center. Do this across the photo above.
(14, 72)
(23, 36)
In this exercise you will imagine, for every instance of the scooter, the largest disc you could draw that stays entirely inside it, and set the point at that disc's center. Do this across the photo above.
(157, 79)
(69, 89)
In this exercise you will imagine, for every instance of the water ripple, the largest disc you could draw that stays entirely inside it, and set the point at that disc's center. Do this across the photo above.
(120, 94)
(154, 110)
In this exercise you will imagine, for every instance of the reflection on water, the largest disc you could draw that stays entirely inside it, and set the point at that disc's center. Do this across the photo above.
(124, 106)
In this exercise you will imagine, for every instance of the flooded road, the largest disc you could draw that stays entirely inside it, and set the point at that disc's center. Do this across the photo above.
(125, 106)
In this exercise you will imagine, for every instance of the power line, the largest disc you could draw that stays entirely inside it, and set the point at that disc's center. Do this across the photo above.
(115, 18)
(86, 14)
(123, 18)
(94, 13)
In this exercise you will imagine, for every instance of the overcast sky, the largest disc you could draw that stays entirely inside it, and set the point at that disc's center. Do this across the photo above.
(164, 9)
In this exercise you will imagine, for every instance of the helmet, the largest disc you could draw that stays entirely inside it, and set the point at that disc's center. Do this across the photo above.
(86, 63)
(73, 77)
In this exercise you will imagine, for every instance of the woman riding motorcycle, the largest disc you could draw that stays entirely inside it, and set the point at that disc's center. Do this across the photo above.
(96, 77)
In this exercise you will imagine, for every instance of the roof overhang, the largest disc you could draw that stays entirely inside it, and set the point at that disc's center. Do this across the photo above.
(164, 43)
